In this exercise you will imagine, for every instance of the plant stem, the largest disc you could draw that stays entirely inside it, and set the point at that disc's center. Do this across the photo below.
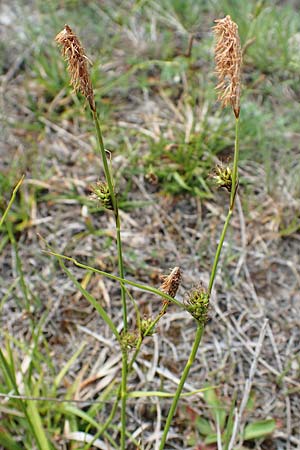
(234, 183)
(107, 422)
(121, 273)
(116, 212)
(218, 252)
(11, 200)
(143, 287)
(200, 327)
(183, 378)
(123, 398)
(129, 368)
(149, 329)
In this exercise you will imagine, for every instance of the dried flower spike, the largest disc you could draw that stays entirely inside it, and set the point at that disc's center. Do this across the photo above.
(73, 52)
(228, 57)
(171, 282)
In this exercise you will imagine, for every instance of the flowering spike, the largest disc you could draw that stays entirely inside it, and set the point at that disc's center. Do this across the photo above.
(228, 57)
(129, 340)
(100, 192)
(145, 324)
(171, 282)
(73, 52)
(197, 303)
(223, 177)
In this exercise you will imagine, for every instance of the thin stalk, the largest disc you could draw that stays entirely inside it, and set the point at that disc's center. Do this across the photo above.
(218, 252)
(123, 398)
(11, 200)
(200, 328)
(149, 329)
(234, 186)
(143, 287)
(180, 386)
(107, 422)
(234, 183)
(121, 388)
(116, 212)
(121, 273)
(129, 368)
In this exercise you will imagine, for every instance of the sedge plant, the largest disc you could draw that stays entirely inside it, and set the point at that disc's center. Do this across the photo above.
(104, 192)
(74, 53)
(228, 57)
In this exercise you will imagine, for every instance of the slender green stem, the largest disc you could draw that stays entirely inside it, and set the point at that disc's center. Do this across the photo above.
(121, 273)
(183, 378)
(129, 368)
(200, 328)
(107, 422)
(120, 394)
(19, 266)
(11, 200)
(149, 329)
(218, 252)
(234, 183)
(123, 398)
(116, 212)
(234, 186)
(143, 287)
(104, 159)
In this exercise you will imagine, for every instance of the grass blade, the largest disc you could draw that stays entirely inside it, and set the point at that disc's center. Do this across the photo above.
(92, 300)
(11, 200)
(259, 429)
(7, 441)
(218, 412)
(67, 366)
(37, 425)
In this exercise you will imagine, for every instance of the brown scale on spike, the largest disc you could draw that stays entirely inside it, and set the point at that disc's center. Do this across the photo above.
(73, 52)
(228, 57)
(171, 282)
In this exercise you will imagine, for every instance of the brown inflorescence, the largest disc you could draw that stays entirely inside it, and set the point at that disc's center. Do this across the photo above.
(73, 52)
(171, 282)
(228, 57)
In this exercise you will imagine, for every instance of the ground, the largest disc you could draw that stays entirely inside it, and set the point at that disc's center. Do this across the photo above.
(164, 132)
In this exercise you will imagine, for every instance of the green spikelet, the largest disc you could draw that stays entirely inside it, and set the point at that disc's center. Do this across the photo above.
(100, 192)
(197, 303)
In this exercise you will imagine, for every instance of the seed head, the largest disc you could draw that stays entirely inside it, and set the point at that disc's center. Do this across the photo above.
(228, 57)
(100, 192)
(129, 339)
(145, 324)
(197, 303)
(171, 282)
(73, 52)
(223, 177)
